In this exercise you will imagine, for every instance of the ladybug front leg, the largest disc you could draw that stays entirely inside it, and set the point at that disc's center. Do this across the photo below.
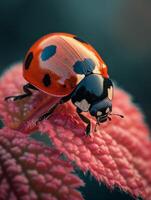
(47, 114)
(26, 89)
(86, 120)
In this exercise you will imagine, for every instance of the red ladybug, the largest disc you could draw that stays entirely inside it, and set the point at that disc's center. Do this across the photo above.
(63, 65)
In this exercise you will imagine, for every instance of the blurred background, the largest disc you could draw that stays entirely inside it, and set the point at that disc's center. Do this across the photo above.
(120, 30)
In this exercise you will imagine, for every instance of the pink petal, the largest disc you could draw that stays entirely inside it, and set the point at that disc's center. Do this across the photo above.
(28, 170)
(118, 154)
(23, 114)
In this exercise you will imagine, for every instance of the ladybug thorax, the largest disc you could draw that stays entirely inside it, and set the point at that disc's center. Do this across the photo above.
(94, 94)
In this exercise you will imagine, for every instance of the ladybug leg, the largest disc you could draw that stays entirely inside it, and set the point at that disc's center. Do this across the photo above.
(51, 110)
(26, 89)
(47, 114)
(97, 123)
(109, 118)
(86, 120)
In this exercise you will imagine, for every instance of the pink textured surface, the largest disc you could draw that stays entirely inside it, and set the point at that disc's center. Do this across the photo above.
(118, 154)
(21, 115)
(30, 171)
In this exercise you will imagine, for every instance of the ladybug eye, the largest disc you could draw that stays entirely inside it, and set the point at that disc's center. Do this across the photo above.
(107, 110)
(99, 113)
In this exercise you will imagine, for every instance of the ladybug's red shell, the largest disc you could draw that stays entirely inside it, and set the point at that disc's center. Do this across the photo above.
(55, 61)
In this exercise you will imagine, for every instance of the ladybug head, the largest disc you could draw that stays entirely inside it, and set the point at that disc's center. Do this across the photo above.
(102, 116)
(101, 110)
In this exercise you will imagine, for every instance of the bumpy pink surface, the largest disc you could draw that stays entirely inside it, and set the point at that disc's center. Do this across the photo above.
(118, 154)
(21, 115)
(30, 171)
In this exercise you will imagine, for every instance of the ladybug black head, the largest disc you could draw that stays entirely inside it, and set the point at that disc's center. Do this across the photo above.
(101, 110)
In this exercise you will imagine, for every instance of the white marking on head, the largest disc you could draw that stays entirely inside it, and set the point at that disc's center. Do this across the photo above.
(99, 113)
(110, 93)
(107, 110)
(83, 105)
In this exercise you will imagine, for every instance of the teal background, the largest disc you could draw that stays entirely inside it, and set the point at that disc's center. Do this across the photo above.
(120, 30)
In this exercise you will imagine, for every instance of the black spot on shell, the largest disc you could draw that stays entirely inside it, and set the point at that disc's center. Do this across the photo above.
(48, 52)
(85, 66)
(79, 39)
(28, 60)
(46, 80)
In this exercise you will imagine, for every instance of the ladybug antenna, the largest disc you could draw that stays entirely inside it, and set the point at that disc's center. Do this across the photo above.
(117, 115)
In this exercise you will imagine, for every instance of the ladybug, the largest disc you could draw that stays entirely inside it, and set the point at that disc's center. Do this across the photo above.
(66, 66)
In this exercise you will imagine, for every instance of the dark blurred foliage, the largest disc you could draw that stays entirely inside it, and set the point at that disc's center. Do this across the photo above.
(120, 30)
(100, 191)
